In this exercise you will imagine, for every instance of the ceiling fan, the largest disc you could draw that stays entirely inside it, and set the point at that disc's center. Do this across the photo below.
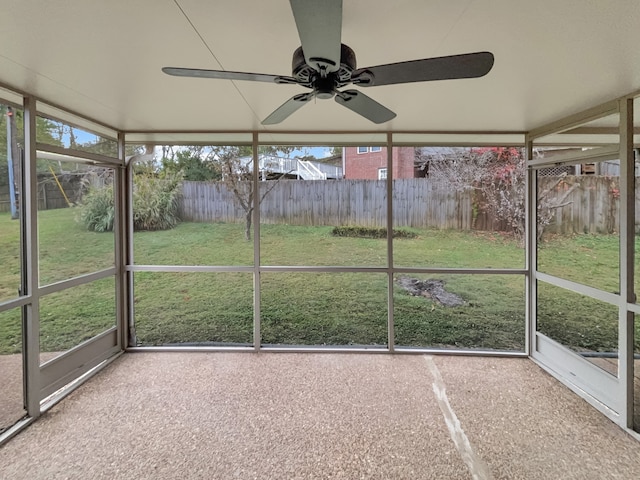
(323, 64)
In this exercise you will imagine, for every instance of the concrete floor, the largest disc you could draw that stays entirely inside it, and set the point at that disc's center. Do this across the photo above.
(329, 416)
(11, 393)
(11, 403)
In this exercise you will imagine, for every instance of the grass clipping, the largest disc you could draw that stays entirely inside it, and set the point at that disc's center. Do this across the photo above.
(370, 232)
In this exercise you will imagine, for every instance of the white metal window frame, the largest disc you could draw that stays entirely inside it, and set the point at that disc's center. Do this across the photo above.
(382, 173)
(612, 395)
(258, 269)
(43, 383)
(125, 266)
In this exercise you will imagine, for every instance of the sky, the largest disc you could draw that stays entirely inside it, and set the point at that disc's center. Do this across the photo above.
(318, 152)
(85, 137)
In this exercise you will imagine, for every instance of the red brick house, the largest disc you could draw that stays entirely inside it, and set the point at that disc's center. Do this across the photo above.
(370, 163)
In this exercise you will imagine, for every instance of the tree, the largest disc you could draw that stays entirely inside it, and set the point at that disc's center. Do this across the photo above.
(467, 170)
(232, 165)
(197, 164)
(14, 119)
(336, 151)
(102, 146)
(45, 128)
(308, 158)
(237, 167)
(495, 176)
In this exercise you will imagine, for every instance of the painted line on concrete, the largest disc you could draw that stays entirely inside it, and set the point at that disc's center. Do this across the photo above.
(478, 468)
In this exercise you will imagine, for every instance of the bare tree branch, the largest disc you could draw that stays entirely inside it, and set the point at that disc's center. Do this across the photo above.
(496, 178)
(237, 175)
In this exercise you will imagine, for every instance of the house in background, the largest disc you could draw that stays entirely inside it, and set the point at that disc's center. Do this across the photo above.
(273, 167)
(370, 163)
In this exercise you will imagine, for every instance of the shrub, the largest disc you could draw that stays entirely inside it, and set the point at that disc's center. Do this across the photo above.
(98, 210)
(155, 201)
(370, 232)
(155, 204)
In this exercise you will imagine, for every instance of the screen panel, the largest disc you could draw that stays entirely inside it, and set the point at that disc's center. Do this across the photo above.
(455, 311)
(205, 309)
(324, 309)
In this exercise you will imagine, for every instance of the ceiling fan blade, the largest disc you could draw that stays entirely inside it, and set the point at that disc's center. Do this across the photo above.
(287, 108)
(320, 29)
(365, 106)
(225, 75)
(469, 65)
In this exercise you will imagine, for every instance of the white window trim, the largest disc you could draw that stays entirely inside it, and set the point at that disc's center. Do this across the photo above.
(382, 173)
(368, 149)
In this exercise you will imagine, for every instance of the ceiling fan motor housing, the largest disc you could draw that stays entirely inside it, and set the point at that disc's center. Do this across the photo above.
(322, 82)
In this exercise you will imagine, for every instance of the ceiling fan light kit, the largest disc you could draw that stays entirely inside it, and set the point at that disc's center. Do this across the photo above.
(323, 64)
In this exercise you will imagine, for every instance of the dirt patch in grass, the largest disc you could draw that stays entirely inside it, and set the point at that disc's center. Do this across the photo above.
(432, 288)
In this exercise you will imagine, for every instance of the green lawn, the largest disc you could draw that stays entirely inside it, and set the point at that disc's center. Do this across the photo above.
(309, 308)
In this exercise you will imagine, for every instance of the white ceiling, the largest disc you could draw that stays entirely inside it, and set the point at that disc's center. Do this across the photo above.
(103, 60)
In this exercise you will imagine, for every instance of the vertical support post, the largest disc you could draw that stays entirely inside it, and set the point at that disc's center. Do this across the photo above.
(127, 205)
(257, 336)
(390, 320)
(531, 249)
(627, 261)
(120, 233)
(31, 312)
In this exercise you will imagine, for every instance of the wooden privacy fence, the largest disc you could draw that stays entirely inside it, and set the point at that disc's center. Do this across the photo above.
(417, 203)
(49, 194)
(591, 207)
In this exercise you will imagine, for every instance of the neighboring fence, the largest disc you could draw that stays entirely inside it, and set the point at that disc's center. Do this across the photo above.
(49, 194)
(592, 207)
(5, 205)
(417, 203)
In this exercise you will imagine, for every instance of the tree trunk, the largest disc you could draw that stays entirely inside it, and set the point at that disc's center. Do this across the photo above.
(73, 144)
(247, 226)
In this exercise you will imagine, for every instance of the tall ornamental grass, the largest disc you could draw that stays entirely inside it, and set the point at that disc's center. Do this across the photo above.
(155, 204)
(98, 209)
